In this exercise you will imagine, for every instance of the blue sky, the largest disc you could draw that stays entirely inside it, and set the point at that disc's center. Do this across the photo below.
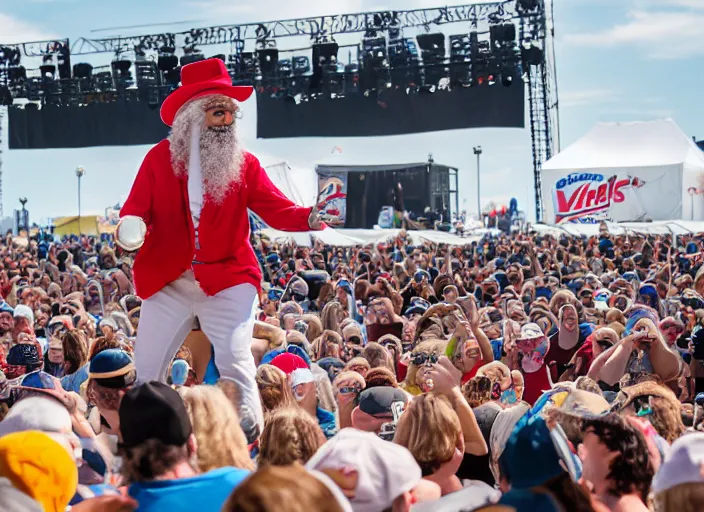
(617, 60)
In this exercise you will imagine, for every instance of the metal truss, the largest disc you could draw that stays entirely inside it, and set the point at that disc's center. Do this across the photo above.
(38, 48)
(318, 27)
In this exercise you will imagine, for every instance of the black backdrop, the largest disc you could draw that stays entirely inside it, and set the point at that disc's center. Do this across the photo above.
(99, 124)
(392, 113)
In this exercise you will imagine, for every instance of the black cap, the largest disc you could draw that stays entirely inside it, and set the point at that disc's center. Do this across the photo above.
(154, 410)
(378, 401)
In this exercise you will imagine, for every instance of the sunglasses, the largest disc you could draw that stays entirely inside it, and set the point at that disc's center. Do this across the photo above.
(349, 390)
(298, 297)
(421, 358)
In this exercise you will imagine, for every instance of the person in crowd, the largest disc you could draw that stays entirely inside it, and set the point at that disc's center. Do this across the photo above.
(290, 436)
(678, 486)
(616, 463)
(111, 375)
(287, 489)
(374, 474)
(304, 389)
(160, 454)
(274, 389)
(220, 440)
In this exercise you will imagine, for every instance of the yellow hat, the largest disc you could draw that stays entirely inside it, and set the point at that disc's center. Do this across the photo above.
(39, 467)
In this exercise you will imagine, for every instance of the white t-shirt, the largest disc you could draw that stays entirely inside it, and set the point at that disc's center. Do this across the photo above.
(195, 178)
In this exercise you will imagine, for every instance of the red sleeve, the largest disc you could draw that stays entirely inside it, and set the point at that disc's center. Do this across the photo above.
(139, 202)
(267, 201)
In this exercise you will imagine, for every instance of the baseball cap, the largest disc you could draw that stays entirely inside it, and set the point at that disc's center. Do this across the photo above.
(385, 470)
(531, 441)
(24, 354)
(378, 401)
(153, 410)
(23, 311)
(112, 368)
(683, 464)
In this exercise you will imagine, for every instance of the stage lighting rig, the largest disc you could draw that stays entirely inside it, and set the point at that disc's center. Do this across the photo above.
(404, 61)
(432, 51)
(121, 70)
(301, 65)
(191, 54)
(460, 58)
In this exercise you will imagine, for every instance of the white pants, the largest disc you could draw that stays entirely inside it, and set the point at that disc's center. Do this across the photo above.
(227, 319)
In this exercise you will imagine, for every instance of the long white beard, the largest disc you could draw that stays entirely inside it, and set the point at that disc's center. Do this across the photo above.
(221, 154)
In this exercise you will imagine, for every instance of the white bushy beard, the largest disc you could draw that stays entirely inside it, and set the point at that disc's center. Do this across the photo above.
(221, 154)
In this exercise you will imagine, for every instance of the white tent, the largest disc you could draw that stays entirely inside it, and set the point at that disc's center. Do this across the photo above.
(626, 172)
(299, 184)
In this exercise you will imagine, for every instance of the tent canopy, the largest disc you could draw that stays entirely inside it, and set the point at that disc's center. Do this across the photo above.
(642, 171)
(637, 144)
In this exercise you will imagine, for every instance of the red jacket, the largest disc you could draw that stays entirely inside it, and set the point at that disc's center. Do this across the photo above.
(225, 257)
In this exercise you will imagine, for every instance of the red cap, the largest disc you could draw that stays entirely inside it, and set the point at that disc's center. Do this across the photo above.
(198, 79)
(288, 362)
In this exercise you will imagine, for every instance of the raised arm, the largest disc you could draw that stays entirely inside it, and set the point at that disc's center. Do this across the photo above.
(267, 201)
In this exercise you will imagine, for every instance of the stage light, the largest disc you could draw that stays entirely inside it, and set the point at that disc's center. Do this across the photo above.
(47, 72)
(192, 55)
(532, 54)
(268, 58)
(63, 61)
(82, 70)
(301, 65)
(284, 68)
(122, 74)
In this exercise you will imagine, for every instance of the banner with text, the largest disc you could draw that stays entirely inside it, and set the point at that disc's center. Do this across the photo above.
(619, 195)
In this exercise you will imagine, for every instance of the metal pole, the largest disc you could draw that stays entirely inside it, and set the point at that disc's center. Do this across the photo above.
(80, 231)
(478, 152)
(479, 204)
(80, 171)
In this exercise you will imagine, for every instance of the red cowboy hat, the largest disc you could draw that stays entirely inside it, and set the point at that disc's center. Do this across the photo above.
(202, 78)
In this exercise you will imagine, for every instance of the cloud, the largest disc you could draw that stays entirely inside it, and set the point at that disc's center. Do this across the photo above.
(270, 10)
(586, 97)
(14, 30)
(660, 34)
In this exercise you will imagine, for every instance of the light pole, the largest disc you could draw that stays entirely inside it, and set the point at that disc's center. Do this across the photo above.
(80, 171)
(478, 152)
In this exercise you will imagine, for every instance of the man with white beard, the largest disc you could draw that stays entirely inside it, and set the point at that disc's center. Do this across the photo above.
(190, 199)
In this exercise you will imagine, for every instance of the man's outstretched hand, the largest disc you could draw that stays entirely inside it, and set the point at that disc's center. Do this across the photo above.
(315, 220)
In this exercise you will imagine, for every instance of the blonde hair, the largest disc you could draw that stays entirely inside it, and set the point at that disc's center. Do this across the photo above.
(290, 435)
(216, 426)
(289, 489)
(274, 389)
(430, 429)
(315, 326)
(681, 498)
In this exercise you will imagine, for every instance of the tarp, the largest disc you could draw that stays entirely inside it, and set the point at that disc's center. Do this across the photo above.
(676, 227)
(374, 236)
(626, 172)
(328, 236)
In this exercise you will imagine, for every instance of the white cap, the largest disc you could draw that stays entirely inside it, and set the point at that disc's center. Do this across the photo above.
(385, 470)
(22, 311)
(683, 464)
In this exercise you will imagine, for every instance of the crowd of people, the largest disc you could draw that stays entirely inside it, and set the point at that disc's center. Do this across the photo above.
(517, 373)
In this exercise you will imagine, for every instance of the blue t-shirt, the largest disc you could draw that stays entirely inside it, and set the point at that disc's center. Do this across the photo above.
(205, 493)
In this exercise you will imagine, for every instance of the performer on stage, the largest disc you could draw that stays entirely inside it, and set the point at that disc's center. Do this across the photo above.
(192, 193)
